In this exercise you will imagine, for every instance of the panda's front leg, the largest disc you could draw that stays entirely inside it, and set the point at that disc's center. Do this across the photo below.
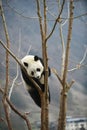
(35, 96)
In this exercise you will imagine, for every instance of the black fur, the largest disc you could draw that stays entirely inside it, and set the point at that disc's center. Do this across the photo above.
(32, 89)
(26, 64)
(34, 92)
(36, 58)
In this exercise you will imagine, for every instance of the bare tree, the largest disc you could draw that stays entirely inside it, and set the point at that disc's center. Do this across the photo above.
(65, 86)
(44, 37)
(6, 107)
(44, 96)
(6, 101)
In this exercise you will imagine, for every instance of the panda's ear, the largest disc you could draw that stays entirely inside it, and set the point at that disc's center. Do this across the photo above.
(25, 64)
(35, 58)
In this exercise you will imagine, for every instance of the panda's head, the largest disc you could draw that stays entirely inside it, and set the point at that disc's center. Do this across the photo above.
(33, 65)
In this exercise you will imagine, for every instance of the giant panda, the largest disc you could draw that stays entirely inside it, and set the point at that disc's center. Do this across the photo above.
(35, 69)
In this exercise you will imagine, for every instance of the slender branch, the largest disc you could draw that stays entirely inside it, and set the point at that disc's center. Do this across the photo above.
(62, 66)
(19, 113)
(11, 89)
(68, 43)
(58, 18)
(28, 50)
(40, 19)
(3, 120)
(62, 40)
(19, 48)
(17, 60)
(66, 20)
(16, 111)
(84, 56)
(76, 17)
(71, 83)
(51, 13)
(29, 17)
(6, 108)
(68, 86)
(41, 25)
(8, 44)
(55, 72)
(79, 65)
(67, 16)
(20, 64)
(5, 105)
(17, 12)
(45, 18)
(1, 90)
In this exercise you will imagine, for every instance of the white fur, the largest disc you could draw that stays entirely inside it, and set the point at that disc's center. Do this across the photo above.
(32, 66)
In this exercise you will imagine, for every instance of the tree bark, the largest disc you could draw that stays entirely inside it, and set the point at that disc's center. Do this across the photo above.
(6, 107)
(63, 97)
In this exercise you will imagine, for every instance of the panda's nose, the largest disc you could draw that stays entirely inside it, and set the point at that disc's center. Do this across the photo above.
(38, 77)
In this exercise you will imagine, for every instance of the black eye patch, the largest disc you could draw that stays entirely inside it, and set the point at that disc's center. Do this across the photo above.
(26, 64)
(38, 69)
(32, 73)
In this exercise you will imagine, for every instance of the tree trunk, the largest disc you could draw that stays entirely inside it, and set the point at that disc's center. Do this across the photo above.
(63, 96)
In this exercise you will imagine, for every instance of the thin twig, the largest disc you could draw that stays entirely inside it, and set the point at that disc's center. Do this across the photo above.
(67, 16)
(11, 88)
(84, 56)
(10, 52)
(55, 72)
(71, 83)
(29, 17)
(19, 113)
(17, 12)
(80, 64)
(28, 50)
(16, 111)
(58, 18)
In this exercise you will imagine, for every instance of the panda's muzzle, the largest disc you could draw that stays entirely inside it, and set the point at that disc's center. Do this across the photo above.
(38, 77)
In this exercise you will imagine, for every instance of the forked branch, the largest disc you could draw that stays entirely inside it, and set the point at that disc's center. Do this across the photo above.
(58, 18)
(16, 111)
(20, 64)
